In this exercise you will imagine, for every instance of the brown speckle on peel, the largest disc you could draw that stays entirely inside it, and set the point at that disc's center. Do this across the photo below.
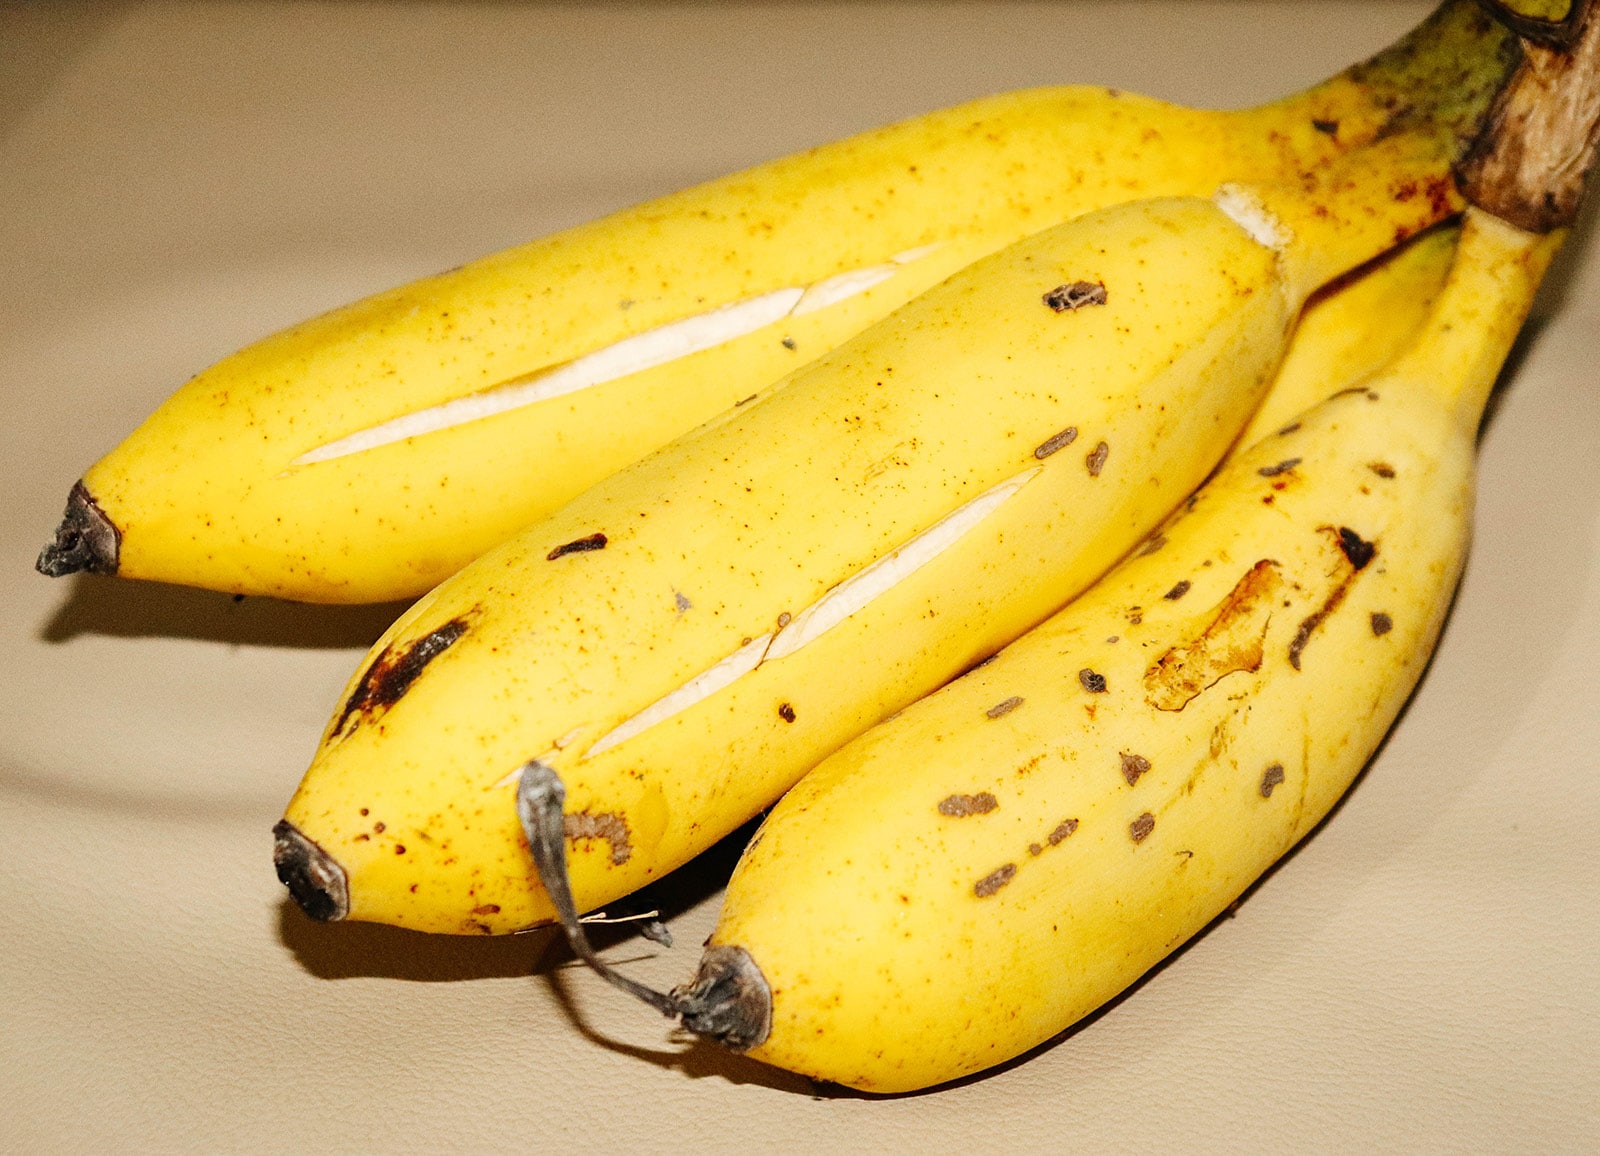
(1356, 555)
(993, 881)
(1133, 766)
(1141, 827)
(1282, 467)
(1358, 551)
(1056, 442)
(1327, 127)
(964, 806)
(1075, 295)
(1035, 849)
(1289, 429)
(1233, 640)
(1092, 682)
(786, 712)
(1382, 469)
(1004, 707)
(391, 674)
(1381, 624)
(1151, 545)
(1270, 778)
(487, 909)
(611, 827)
(1177, 592)
(1096, 461)
(578, 546)
(744, 401)
(1063, 829)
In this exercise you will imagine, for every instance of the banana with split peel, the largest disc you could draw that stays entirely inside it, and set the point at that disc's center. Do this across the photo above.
(687, 638)
(369, 453)
(971, 877)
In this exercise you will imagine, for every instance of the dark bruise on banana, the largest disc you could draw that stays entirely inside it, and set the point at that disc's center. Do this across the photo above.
(390, 675)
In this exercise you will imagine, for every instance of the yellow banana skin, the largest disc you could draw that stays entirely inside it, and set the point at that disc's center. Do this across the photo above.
(968, 879)
(675, 641)
(221, 486)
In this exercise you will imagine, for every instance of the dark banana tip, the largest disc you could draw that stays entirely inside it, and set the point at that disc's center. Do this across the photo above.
(312, 876)
(85, 540)
(728, 1000)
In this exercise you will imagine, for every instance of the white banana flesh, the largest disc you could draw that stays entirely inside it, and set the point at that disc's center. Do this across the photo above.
(971, 877)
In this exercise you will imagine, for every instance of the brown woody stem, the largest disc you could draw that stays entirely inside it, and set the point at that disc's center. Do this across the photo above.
(1532, 161)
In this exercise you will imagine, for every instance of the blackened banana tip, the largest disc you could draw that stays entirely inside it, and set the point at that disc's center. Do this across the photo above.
(314, 879)
(86, 539)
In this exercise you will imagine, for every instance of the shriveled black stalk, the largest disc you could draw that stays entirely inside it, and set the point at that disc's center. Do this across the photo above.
(1531, 163)
(85, 540)
(727, 1001)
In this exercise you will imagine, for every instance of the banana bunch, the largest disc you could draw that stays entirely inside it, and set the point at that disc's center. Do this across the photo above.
(688, 637)
(969, 878)
(368, 454)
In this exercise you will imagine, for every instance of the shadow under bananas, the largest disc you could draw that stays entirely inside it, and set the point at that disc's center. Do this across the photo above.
(130, 609)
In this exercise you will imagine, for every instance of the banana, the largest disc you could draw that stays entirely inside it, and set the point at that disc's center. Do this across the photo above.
(369, 453)
(688, 637)
(1354, 327)
(971, 877)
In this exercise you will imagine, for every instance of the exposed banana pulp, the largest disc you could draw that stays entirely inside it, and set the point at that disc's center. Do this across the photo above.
(1009, 853)
(685, 639)
(369, 453)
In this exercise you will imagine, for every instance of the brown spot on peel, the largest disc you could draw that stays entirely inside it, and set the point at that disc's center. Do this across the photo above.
(1177, 591)
(1270, 778)
(1133, 766)
(1232, 640)
(1382, 469)
(1141, 827)
(1056, 442)
(963, 806)
(1004, 707)
(993, 881)
(786, 712)
(607, 825)
(595, 541)
(1357, 554)
(1092, 682)
(1096, 461)
(1063, 829)
(1282, 467)
(1381, 624)
(1075, 295)
(397, 666)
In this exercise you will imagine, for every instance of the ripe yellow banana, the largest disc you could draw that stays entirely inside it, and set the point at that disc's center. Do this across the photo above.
(974, 875)
(369, 453)
(688, 637)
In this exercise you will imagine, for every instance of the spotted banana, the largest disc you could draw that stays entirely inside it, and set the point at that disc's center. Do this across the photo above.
(971, 877)
(371, 452)
(686, 638)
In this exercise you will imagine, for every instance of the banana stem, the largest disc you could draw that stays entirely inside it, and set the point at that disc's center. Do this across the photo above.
(1476, 319)
(1530, 164)
(728, 1001)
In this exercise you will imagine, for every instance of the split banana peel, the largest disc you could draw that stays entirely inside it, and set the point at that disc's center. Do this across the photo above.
(688, 637)
(369, 453)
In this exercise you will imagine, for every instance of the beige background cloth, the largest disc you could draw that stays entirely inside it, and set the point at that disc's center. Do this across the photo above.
(177, 179)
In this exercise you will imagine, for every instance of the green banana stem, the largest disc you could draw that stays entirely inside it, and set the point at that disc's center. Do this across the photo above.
(1444, 73)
